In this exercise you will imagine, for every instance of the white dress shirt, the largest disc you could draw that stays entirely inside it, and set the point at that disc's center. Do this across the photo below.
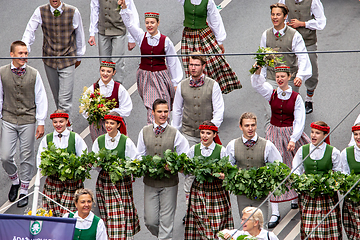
(214, 19)
(62, 142)
(265, 89)
(317, 10)
(263, 235)
(298, 45)
(180, 142)
(130, 148)
(352, 140)
(124, 99)
(36, 20)
(94, 17)
(271, 153)
(316, 155)
(206, 151)
(86, 224)
(217, 104)
(40, 98)
(344, 162)
(138, 34)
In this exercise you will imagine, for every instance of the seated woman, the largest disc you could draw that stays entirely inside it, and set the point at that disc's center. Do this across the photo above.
(61, 191)
(252, 227)
(88, 226)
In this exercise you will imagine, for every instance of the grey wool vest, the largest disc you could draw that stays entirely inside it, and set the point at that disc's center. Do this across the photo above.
(247, 157)
(19, 96)
(302, 12)
(282, 44)
(110, 21)
(59, 36)
(197, 105)
(156, 145)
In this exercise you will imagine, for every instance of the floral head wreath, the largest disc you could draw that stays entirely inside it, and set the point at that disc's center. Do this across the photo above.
(355, 128)
(119, 119)
(59, 115)
(326, 130)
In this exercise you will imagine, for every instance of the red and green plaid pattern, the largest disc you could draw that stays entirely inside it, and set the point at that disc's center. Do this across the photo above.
(351, 219)
(312, 210)
(97, 132)
(117, 207)
(61, 192)
(217, 68)
(209, 211)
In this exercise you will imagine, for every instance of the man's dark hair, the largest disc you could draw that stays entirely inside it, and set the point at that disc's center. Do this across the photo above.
(282, 6)
(15, 44)
(157, 102)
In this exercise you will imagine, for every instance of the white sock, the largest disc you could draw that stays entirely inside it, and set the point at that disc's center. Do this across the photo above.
(275, 211)
(308, 99)
(294, 201)
(14, 179)
(24, 188)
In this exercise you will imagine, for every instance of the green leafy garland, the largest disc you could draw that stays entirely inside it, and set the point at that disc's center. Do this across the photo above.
(241, 237)
(347, 181)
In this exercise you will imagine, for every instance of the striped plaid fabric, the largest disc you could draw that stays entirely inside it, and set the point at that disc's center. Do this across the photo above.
(312, 210)
(61, 192)
(280, 137)
(117, 207)
(154, 85)
(97, 132)
(217, 68)
(351, 219)
(209, 211)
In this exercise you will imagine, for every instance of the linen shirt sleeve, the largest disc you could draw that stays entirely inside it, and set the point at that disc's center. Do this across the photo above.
(41, 101)
(42, 147)
(80, 145)
(299, 119)
(125, 103)
(191, 151)
(94, 17)
(336, 161)
(95, 147)
(258, 82)
(177, 109)
(181, 143)
(319, 21)
(101, 231)
(218, 105)
(215, 22)
(29, 34)
(130, 150)
(79, 34)
(131, 5)
(271, 153)
(141, 148)
(263, 44)
(344, 162)
(173, 63)
(304, 64)
(230, 151)
(297, 160)
(132, 25)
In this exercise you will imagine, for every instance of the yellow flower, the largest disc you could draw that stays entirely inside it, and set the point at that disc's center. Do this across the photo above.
(50, 213)
(30, 212)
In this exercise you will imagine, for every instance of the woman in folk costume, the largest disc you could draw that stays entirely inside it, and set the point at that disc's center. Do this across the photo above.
(116, 202)
(321, 160)
(350, 159)
(156, 78)
(209, 208)
(61, 191)
(88, 225)
(205, 32)
(112, 91)
(286, 125)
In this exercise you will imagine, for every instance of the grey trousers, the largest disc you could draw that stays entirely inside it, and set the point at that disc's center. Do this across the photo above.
(10, 133)
(312, 82)
(114, 46)
(244, 202)
(190, 178)
(159, 210)
(61, 83)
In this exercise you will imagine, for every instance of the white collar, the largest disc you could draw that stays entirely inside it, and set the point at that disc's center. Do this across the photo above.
(12, 65)
(162, 125)
(281, 31)
(321, 147)
(89, 217)
(356, 147)
(254, 138)
(212, 146)
(157, 36)
(66, 132)
(58, 8)
(110, 84)
(280, 91)
(117, 137)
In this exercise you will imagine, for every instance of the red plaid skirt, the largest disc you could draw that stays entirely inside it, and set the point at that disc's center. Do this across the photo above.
(313, 210)
(60, 192)
(209, 211)
(351, 219)
(116, 205)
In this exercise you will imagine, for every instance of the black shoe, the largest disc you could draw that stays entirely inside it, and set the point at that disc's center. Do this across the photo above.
(308, 107)
(274, 224)
(22, 202)
(14, 192)
(294, 206)
(184, 219)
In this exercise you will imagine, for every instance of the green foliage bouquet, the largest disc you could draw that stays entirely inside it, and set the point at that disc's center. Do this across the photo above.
(347, 181)
(241, 237)
(266, 57)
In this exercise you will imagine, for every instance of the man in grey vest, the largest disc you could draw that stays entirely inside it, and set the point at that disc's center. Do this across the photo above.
(249, 151)
(286, 39)
(63, 35)
(197, 98)
(307, 16)
(23, 101)
(160, 195)
(106, 21)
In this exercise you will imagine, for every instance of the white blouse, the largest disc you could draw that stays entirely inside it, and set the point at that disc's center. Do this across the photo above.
(344, 162)
(206, 151)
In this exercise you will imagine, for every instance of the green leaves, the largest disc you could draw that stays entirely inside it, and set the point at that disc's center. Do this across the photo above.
(346, 182)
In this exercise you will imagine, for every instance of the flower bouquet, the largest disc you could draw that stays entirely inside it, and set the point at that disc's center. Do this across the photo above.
(95, 105)
(266, 57)
(42, 212)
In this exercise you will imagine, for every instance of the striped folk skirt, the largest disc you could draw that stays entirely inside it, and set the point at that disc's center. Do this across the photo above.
(313, 210)
(154, 85)
(116, 205)
(61, 192)
(280, 137)
(209, 211)
(351, 219)
(217, 68)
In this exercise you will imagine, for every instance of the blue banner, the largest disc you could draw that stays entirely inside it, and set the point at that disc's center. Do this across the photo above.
(25, 227)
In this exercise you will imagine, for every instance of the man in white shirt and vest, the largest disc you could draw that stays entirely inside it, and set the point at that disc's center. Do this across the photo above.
(160, 195)
(23, 101)
(63, 35)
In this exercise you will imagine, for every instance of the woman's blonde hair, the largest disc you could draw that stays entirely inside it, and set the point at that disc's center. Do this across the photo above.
(258, 215)
(83, 191)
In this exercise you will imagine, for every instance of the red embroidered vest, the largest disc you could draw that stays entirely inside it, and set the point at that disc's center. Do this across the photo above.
(149, 63)
(114, 94)
(282, 111)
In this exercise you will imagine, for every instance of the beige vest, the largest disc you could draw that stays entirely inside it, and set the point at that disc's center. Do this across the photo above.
(156, 145)
(246, 157)
(110, 21)
(282, 44)
(19, 96)
(197, 105)
(302, 12)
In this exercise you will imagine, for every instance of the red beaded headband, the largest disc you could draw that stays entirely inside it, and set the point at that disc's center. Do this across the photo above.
(355, 128)
(321, 128)
(115, 118)
(207, 127)
(152, 15)
(107, 64)
(59, 115)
